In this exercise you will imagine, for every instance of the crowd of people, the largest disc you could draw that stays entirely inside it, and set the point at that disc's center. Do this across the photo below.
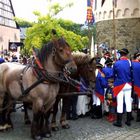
(117, 90)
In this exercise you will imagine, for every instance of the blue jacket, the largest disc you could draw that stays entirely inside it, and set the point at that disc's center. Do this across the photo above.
(83, 85)
(100, 84)
(122, 74)
(108, 71)
(136, 76)
(2, 60)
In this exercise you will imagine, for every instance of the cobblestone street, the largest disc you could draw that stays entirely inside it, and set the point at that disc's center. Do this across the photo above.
(81, 129)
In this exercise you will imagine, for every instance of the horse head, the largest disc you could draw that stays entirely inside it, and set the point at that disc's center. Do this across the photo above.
(54, 55)
(86, 67)
(63, 54)
(91, 72)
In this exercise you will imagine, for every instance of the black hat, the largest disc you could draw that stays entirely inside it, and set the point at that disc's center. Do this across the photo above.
(99, 65)
(123, 51)
(108, 61)
(136, 55)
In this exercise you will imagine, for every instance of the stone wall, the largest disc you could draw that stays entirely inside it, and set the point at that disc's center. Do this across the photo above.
(127, 33)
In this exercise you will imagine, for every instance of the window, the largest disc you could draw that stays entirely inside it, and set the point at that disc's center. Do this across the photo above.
(7, 14)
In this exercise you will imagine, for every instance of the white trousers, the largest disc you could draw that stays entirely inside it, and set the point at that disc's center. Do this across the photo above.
(124, 96)
(138, 102)
(82, 104)
(96, 100)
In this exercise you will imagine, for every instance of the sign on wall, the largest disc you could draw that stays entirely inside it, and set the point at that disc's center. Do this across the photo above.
(13, 45)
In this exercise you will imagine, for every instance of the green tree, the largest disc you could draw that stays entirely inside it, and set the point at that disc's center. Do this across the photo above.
(39, 33)
(23, 23)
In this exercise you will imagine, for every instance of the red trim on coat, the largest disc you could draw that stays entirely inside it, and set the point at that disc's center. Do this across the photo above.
(123, 58)
(117, 89)
(137, 90)
(135, 61)
(100, 97)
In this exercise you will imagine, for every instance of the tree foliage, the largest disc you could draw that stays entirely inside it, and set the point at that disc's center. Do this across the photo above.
(40, 32)
(23, 23)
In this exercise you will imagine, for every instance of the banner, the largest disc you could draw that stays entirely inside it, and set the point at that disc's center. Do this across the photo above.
(90, 16)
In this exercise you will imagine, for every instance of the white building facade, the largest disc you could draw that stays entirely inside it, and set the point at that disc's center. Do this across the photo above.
(124, 26)
(9, 31)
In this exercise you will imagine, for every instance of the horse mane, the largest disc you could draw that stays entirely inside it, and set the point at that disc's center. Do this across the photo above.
(81, 58)
(47, 49)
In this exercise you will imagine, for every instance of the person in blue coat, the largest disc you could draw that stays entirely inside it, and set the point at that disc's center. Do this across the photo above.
(136, 78)
(1, 60)
(122, 87)
(108, 71)
(98, 95)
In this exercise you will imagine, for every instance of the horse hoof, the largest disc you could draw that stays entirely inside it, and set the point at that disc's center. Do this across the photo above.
(2, 128)
(8, 126)
(47, 135)
(37, 138)
(66, 126)
(55, 128)
(27, 122)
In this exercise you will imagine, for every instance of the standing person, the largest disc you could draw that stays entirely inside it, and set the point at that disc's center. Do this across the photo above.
(1, 60)
(104, 58)
(122, 87)
(98, 95)
(83, 100)
(108, 71)
(136, 78)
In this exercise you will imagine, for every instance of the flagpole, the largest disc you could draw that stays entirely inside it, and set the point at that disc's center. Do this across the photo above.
(89, 44)
(114, 29)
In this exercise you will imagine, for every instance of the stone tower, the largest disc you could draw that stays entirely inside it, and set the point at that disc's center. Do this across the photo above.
(122, 29)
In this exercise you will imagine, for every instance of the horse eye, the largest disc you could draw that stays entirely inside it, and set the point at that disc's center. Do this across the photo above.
(61, 49)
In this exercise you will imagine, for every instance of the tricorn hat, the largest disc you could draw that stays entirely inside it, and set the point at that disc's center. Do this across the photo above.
(108, 61)
(136, 55)
(99, 65)
(123, 51)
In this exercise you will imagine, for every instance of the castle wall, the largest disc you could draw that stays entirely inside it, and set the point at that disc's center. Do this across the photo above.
(127, 33)
(127, 23)
(123, 9)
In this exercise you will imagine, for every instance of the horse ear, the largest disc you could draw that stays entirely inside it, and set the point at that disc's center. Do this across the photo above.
(54, 32)
(91, 60)
(54, 35)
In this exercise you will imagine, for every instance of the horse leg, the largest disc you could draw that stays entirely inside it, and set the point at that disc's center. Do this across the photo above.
(47, 128)
(9, 124)
(26, 116)
(35, 127)
(54, 125)
(65, 108)
(37, 115)
(3, 104)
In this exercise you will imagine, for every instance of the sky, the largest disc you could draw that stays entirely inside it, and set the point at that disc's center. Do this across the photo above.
(24, 9)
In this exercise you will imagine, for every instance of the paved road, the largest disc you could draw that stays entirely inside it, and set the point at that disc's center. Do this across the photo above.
(81, 129)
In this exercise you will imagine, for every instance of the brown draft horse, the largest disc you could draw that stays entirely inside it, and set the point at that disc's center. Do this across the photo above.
(85, 69)
(37, 83)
